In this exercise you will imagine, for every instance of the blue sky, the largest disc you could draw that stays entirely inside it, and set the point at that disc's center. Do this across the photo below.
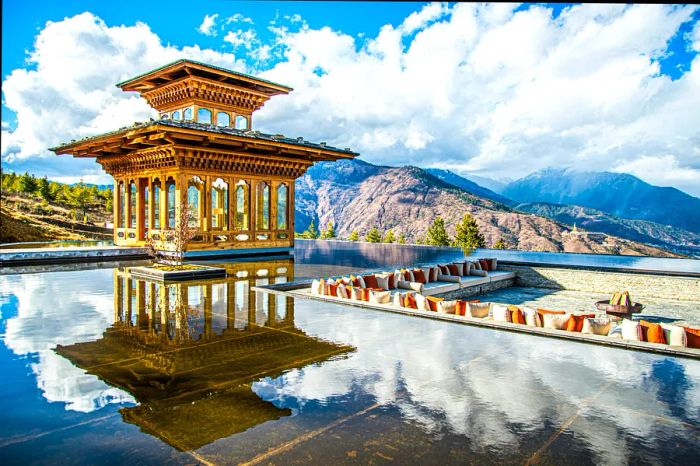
(490, 90)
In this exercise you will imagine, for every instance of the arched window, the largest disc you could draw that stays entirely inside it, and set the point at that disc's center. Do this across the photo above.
(219, 205)
(164, 116)
(132, 205)
(171, 203)
(241, 122)
(262, 203)
(176, 115)
(223, 119)
(242, 200)
(282, 202)
(204, 115)
(194, 201)
(156, 204)
(121, 202)
(187, 113)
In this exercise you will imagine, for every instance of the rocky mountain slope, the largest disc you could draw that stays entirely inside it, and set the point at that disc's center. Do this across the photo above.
(665, 236)
(468, 185)
(355, 195)
(618, 194)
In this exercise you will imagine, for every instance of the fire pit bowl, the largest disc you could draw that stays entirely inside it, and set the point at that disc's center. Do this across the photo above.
(619, 310)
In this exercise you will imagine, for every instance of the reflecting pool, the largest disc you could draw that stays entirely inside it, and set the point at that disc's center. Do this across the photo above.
(100, 367)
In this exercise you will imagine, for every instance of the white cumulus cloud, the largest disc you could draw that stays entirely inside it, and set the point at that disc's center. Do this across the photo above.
(208, 26)
(486, 89)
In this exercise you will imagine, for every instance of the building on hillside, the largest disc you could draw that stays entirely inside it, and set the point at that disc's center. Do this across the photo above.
(238, 183)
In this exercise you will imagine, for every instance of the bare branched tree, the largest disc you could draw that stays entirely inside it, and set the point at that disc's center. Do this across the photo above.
(173, 243)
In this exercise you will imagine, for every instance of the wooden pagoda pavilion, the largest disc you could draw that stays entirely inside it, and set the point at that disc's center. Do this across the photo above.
(238, 183)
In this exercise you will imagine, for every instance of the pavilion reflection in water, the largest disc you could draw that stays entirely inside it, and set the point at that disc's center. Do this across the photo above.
(189, 352)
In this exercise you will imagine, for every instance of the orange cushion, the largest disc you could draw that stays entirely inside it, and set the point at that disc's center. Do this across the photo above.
(410, 301)
(692, 337)
(516, 315)
(444, 270)
(453, 269)
(419, 276)
(461, 309)
(432, 302)
(575, 322)
(355, 280)
(651, 332)
(333, 289)
(392, 285)
(485, 265)
(370, 281)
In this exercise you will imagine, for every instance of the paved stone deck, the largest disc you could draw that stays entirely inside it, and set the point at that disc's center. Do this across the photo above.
(688, 311)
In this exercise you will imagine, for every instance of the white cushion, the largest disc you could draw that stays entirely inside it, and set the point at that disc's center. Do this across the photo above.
(530, 316)
(477, 265)
(478, 310)
(426, 273)
(356, 293)
(596, 326)
(379, 297)
(398, 299)
(422, 302)
(382, 281)
(447, 307)
(674, 335)
(500, 313)
(361, 281)
(494, 263)
(317, 287)
(556, 321)
(342, 291)
(631, 330)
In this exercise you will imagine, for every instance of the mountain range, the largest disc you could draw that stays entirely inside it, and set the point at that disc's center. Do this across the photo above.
(618, 194)
(356, 195)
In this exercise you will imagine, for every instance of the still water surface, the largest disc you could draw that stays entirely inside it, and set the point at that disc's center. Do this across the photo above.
(98, 367)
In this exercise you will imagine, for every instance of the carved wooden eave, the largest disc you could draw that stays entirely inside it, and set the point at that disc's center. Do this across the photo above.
(162, 144)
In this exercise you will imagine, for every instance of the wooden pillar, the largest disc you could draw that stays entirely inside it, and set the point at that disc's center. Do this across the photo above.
(290, 212)
(252, 200)
(115, 210)
(273, 207)
(152, 305)
(230, 305)
(252, 305)
(164, 203)
(142, 316)
(204, 201)
(139, 209)
(151, 207)
(129, 294)
(208, 311)
(164, 299)
(118, 297)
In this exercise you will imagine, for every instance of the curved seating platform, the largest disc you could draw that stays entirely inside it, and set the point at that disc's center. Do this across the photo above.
(678, 351)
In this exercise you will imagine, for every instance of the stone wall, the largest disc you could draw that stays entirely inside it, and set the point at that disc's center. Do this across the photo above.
(639, 285)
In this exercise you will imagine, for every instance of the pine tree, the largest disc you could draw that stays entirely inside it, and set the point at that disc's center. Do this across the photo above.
(468, 236)
(311, 232)
(329, 233)
(354, 236)
(373, 236)
(389, 237)
(402, 239)
(500, 244)
(80, 196)
(27, 183)
(436, 234)
(43, 189)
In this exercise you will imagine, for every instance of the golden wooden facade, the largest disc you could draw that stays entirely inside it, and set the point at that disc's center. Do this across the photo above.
(238, 183)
